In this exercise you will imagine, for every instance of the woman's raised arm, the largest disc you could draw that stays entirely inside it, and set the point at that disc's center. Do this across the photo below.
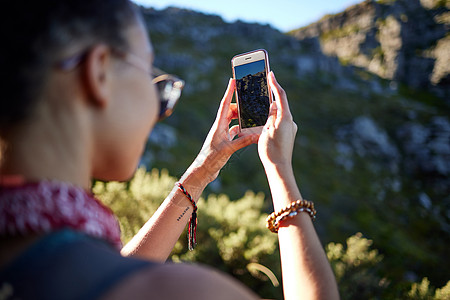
(305, 268)
(156, 239)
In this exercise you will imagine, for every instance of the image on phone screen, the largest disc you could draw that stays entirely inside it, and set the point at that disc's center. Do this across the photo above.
(253, 94)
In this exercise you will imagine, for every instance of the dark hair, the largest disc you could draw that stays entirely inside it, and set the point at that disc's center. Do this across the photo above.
(36, 33)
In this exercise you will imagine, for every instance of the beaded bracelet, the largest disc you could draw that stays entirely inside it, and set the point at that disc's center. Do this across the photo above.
(192, 230)
(274, 219)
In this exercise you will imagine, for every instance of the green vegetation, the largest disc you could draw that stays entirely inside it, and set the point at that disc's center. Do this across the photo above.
(232, 237)
(374, 194)
(363, 198)
(341, 32)
(387, 2)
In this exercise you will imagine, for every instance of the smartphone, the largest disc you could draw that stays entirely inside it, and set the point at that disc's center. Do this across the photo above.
(253, 94)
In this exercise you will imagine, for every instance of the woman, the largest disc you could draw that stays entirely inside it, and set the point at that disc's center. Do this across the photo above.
(78, 104)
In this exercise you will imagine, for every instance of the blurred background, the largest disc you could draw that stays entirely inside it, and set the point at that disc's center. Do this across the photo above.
(283, 15)
(369, 86)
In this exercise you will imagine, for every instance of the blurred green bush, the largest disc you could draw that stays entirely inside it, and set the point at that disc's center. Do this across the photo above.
(232, 237)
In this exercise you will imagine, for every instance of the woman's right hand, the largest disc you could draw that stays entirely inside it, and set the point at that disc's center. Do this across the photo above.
(276, 143)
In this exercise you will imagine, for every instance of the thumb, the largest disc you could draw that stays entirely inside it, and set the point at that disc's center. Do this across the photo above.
(244, 141)
(272, 114)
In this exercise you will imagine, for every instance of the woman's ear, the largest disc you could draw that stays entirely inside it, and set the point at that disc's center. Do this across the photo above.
(96, 79)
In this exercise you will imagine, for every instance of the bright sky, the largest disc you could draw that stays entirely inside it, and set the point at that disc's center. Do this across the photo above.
(284, 15)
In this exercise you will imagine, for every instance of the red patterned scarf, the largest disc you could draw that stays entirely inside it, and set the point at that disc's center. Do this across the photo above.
(47, 206)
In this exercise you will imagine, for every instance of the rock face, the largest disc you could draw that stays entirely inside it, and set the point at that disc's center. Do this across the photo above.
(253, 99)
(369, 149)
(396, 40)
(400, 40)
(365, 138)
(427, 148)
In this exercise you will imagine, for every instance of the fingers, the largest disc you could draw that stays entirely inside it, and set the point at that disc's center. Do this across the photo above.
(280, 94)
(244, 141)
(226, 101)
(233, 131)
(232, 112)
(272, 114)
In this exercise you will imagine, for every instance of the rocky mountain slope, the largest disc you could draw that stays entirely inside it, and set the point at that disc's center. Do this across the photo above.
(373, 147)
(401, 40)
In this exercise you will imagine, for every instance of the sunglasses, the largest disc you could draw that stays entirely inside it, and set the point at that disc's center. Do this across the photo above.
(169, 89)
(168, 86)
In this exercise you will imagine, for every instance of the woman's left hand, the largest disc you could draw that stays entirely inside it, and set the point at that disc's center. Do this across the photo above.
(220, 143)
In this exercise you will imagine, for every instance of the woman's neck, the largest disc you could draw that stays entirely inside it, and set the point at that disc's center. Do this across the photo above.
(51, 148)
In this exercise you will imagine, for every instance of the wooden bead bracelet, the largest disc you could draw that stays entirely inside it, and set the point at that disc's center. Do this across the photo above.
(274, 219)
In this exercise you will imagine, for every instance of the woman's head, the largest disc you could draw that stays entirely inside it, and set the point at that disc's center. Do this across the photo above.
(37, 34)
(118, 99)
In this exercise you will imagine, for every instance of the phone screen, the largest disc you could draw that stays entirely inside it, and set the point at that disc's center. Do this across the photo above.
(253, 93)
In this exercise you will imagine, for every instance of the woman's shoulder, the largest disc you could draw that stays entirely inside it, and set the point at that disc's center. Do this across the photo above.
(179, 281)
(67, 265)
(72, 265)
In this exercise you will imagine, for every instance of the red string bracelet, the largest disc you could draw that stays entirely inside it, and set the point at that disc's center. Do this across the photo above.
(192, 230)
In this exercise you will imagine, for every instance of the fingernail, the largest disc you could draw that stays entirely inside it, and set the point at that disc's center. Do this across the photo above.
(273, 75)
